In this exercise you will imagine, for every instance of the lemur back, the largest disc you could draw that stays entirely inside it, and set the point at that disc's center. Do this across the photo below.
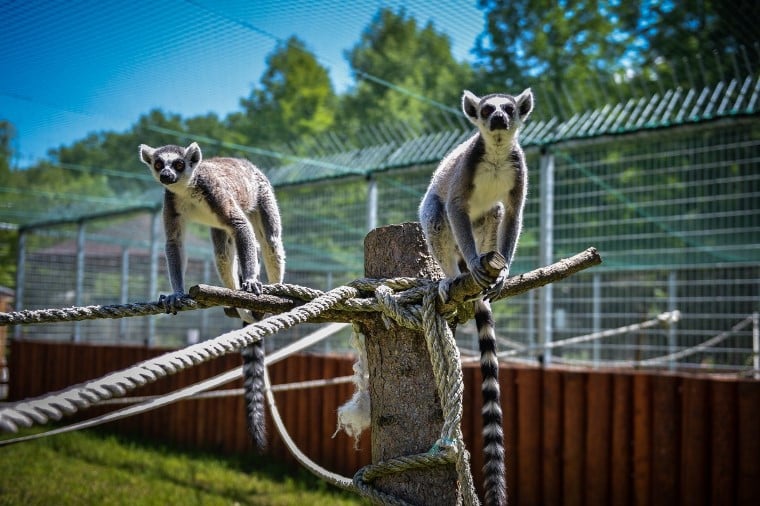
(236, 200)
(473, 205)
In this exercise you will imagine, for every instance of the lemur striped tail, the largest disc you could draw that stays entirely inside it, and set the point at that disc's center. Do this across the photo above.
(494, 479)
(253, 386)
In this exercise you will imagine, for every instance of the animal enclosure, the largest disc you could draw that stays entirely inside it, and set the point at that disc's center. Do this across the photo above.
(675, 213)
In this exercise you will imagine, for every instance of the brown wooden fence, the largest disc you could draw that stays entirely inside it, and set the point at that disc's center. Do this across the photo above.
(572, 436)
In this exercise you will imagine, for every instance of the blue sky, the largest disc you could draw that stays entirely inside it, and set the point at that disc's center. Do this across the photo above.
(73, 67)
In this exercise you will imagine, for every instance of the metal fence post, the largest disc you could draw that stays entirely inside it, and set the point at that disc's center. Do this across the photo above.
(596, 315)
(756, 344)
(20, 279)
(124, 292)
(546, 250)
(153, 276)
(79, 290)
(371, 202)
(672, 306)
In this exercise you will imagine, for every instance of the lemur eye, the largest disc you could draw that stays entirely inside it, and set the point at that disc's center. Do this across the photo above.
(508, 108)
(178, 165)
(158, 164)
(486, 111)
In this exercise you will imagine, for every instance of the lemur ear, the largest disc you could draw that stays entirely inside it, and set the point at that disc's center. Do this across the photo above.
(146, 154)
(470, 103)
(525, 103)
(193, 153)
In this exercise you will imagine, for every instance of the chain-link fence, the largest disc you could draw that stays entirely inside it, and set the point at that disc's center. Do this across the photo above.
(675, 213)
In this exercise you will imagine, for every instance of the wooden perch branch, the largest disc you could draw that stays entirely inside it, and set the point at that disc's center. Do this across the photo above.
(462, 288)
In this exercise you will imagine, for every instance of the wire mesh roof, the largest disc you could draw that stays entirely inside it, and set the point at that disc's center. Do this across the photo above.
(739, 97)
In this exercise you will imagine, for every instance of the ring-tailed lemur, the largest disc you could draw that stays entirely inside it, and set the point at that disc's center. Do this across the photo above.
(474, 205)
(236, 200)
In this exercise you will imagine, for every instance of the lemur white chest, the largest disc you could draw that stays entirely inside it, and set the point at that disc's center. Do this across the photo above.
(492, 182)
(195, 209)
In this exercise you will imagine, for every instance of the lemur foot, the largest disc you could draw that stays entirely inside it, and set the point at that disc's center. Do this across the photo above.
(172, 303)
(252, 285)
(490, 288)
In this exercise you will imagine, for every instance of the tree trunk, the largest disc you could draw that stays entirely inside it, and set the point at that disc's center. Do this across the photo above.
(406, 411)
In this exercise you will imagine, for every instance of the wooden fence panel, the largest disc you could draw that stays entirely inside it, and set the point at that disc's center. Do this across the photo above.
(571, 436)
(665, 441)
(642, 437)
(599, 435)
(621, 469)
(723, 436)
(694, 450)
(574, 438)
(552, 437)
(748, 490)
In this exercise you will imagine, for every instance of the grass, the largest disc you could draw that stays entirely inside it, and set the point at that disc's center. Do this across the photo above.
(84, 468)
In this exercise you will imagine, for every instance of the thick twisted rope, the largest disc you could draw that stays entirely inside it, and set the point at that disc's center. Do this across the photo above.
(65, 402)
(203, 296)
(96, 312)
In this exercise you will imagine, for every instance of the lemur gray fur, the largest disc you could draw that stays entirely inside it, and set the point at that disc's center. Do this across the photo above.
(236, 200)
(474, 205)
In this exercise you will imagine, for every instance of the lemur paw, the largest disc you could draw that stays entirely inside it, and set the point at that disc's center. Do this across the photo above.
(252, 285)
(172, 303)
(444, 286)
(497, 285)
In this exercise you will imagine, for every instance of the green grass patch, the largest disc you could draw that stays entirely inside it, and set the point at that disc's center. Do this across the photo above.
(83, 468)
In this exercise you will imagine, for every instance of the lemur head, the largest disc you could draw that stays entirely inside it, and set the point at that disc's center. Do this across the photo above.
(498, 115)
(171, 164)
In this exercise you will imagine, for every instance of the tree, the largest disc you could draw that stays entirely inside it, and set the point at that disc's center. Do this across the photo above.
(404, 72)
(295, 99)
(569, 46)
(581, 54)
(7, 132)
(699, 41)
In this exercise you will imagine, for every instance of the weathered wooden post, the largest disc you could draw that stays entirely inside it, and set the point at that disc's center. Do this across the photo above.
(406, 411)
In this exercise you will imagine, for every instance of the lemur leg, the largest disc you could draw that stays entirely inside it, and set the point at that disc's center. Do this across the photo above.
(266, 224)
(227, 266)
(487, 230)
(226, 259)
(441, 242)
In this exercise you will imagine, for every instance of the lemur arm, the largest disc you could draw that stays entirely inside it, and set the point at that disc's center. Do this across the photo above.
(509, 232)
(174, 228)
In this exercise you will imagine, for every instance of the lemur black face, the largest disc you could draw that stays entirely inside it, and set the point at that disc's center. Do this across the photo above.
(169, 174)
(498, 112)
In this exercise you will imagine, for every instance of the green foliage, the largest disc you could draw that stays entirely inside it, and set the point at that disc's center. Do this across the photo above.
(416, 61)
(564, 45)
(586, 53)
(92, 469)
(295, 100)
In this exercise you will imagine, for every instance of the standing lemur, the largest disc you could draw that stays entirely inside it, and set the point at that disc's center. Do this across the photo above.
(474, 205)
(236, 200)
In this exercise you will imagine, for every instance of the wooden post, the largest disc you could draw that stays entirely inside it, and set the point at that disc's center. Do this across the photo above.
(406, 412)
